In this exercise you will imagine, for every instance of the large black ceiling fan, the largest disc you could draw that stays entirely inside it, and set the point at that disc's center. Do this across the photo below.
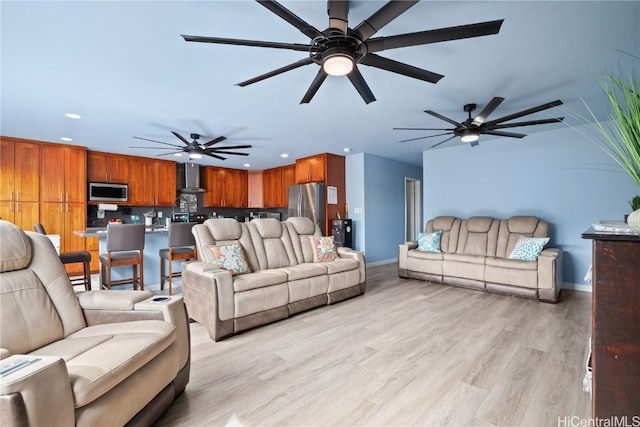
(340, 48)
(470, 129)
(195, 150)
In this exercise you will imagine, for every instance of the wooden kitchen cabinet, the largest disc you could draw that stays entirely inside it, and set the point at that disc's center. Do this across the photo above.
(107, 167)
(311, 169)
(615, 343)
(23, 214)
(288, 177)
(254, 184)
(152, 182)
(19, 170)
(272, 187)
(63, 185)
(64, 219)
(225, 187)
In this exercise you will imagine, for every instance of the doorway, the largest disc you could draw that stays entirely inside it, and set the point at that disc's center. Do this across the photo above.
(412, 208)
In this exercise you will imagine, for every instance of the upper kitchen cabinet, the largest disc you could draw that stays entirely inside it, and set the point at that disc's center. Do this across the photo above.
(225, 188)
(152, 182)
(19, 170)
(275, 183)
(288, 177)
(311, 169)
(107, 167)
(66, 185)
(254, 184)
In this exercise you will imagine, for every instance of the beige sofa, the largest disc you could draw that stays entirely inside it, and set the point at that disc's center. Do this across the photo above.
(474, 254)
(284, 278)
(99, 358)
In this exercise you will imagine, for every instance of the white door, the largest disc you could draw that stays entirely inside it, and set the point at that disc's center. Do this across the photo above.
(412, 203)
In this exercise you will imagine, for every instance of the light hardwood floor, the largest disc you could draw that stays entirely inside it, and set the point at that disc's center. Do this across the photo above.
(406, 353)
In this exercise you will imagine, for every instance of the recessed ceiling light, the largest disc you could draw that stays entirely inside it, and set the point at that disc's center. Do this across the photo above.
(347, 149)
(246, 165)
(284, 155)
(177, 154)
(66, 139)
(73, 116)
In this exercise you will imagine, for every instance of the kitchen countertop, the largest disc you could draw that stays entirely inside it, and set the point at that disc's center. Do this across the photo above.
(102, 231)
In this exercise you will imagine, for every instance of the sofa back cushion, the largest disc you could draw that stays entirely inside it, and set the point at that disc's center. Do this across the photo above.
(300, 229)
(450, 227)
(511, 229)
(37, 303)
(224, 231)
(272, 243)
(478, 236)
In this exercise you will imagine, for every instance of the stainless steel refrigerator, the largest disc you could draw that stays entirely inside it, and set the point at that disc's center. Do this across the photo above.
(308, 200)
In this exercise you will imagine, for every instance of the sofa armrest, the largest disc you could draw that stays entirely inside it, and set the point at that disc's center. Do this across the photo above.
(115, 306)
(403, 254)
(550, 274)
(36, 394)
(209, 296)
(356, 255)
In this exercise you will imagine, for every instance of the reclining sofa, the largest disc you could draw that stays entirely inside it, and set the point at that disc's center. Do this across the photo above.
(474, 253)
(282, 278)
(98, 358)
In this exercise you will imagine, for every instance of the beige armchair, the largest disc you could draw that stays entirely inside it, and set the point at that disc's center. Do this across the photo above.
(95, 358)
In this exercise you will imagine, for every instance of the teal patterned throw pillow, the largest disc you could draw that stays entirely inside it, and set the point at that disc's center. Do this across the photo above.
(528, 248)
(429, 242)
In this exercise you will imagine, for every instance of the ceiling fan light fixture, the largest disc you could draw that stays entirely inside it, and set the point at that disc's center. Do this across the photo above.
(337, 62)
(194, 155)
(469, 136)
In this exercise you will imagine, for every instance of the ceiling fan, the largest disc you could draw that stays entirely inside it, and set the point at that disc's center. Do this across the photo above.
(196, 150)
(470, 129)
(340, 48)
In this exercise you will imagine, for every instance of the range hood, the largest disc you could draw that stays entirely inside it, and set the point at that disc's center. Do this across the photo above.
(188, 178)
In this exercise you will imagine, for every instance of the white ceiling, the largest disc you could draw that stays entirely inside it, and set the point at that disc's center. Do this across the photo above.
(124, 68)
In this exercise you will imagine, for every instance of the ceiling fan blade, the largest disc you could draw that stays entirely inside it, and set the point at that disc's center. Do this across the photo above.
(338, 15)
(305, 61)
(400, 68)
(315, 85)
(492, 105)
(441, 117)
(172, 153)
(528, 123)
(361, 86)
(234, 153)
(214, 155)
(451, 130)
(525, 112)
(284, 13)
(442, 142)
(434, 36)
(382, 17)
(180, 137)
(425, 137)
(159, 142)
(232, 147)
(215, 141)
(507, 134)
(152, 148)
(242, 42)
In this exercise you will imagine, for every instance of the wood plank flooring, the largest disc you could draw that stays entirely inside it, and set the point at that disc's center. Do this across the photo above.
(406, 353)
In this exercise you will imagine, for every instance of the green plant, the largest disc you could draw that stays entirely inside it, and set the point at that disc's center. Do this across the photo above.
(635, 203)
(619, 137)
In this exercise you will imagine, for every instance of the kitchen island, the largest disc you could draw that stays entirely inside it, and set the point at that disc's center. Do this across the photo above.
(156, 238)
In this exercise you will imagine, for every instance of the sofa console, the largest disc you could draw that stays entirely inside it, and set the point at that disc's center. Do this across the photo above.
(250, 274)
(503, 256)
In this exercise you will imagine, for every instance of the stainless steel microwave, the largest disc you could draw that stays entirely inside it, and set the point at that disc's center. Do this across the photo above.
(104, 192)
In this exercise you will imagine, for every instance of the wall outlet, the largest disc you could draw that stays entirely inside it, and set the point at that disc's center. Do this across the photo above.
(357, 211)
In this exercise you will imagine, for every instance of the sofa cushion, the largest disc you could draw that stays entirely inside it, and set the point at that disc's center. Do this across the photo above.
(478, 236)
(231, 258)
(15, 251)
(341, 264)
(259, 279)
(429, 242)
(102, 356)
(450, 228)
(272, 243)
(304, 271)
(528, 248)
(324, 248)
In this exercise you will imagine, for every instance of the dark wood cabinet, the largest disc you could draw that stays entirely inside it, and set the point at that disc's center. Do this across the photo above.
(615, 342)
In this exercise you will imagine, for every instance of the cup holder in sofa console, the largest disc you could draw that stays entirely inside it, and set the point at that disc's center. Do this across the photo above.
(158, 300)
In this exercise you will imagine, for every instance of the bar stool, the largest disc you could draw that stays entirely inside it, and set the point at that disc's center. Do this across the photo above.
(182, 246)
(74, 257)
(125, 246)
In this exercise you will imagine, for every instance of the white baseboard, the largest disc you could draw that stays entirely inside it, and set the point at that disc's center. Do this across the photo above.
(577, 287)
(383, 262)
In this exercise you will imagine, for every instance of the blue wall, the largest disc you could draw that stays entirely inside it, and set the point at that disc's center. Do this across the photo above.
(555, 175)
(376, 185)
